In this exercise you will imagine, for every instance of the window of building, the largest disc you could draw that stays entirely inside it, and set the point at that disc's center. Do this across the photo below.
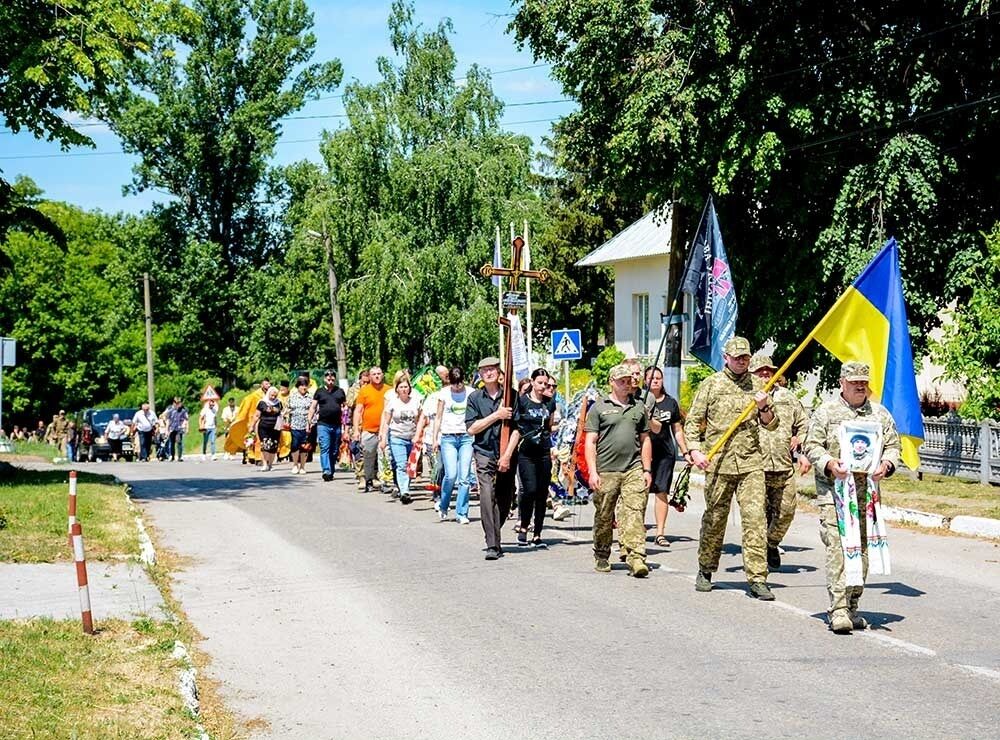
(640, 323)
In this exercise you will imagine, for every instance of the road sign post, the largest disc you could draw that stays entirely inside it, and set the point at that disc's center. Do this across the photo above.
(566, 346)
(8, 358)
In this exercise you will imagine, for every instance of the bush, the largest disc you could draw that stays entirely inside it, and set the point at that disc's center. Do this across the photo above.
(694, 375)
(608, 358)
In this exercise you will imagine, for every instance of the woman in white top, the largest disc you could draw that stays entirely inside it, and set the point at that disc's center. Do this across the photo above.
(399, 425)
(455, 443)
(116, 432)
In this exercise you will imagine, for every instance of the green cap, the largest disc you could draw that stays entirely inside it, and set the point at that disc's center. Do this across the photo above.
(855, 371)
(737, 347)
(760, 361)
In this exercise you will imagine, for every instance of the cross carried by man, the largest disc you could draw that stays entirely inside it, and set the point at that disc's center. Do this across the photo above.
(514, 274)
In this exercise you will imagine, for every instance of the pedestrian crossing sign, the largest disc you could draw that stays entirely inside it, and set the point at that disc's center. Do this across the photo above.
(566, 344)
(209, 394)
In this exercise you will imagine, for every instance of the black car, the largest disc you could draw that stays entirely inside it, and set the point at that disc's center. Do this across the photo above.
(99, 449)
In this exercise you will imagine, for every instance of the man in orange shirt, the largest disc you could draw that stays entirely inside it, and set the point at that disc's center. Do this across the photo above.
(368, 410)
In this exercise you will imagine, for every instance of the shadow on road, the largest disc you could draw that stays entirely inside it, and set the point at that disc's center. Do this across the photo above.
(191, 489)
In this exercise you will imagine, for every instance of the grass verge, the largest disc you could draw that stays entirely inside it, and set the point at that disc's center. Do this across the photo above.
(119, 683)
(34, 505)
(935, 494)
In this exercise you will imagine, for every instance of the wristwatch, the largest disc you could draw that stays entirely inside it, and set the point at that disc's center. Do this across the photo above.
(646, 470)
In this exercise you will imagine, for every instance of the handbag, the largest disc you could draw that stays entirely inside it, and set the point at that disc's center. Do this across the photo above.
(279, 423)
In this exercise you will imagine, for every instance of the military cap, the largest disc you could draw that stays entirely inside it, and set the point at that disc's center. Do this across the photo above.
(620, 371)
(489, 362)
(855, 371)
(737, 347)
(760, 361)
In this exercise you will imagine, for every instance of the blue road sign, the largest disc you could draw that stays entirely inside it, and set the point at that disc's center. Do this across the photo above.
(566, 344)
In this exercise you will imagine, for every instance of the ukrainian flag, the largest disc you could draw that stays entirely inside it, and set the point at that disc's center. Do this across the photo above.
(868, 324)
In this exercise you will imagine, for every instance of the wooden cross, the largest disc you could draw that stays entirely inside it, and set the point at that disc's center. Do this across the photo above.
(514, 273)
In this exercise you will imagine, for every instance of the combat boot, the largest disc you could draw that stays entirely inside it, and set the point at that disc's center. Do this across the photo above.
(760, 590)
(601, 565)
(857, 621)
(638, 568)
(703, 582)
(840, 622)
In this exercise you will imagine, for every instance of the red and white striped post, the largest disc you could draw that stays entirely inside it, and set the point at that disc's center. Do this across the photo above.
(81, 578)
(72, 506)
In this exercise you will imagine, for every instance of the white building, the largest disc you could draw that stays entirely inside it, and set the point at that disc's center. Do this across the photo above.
(640, 257)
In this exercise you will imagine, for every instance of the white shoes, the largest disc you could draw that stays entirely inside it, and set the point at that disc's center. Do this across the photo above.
(561, 513)
(462, 519)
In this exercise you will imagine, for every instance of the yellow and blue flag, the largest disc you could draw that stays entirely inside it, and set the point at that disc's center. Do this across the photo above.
(868, 324)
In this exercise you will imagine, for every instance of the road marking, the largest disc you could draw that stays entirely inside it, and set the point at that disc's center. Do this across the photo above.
(901, 644)
(980, 671)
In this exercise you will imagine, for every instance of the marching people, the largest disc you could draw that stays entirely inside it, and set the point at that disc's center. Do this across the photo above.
(397, 430)
(300, 406)
(264, 423)
(71, 439)
(177, 425)
(666, 436)
(619, 459)
(432, 467)
(455, 443)
(559, 510)
(116, 431)
(207, 425)
(738, 468)
(364, 378)
(144, 423)
(484, 416)
(326, 411)
(822, 445)
(779, 468)
(532, 438)
(228, 417)
(368, 409)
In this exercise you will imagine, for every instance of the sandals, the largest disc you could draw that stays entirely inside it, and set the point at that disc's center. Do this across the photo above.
(662, 541)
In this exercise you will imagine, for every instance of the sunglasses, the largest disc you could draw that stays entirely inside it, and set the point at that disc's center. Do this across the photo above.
(550, 385)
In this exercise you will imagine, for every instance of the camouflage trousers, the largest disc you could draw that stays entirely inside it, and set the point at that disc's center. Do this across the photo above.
(781, 495)
(630, 488)
(841, 596)
(749, 491)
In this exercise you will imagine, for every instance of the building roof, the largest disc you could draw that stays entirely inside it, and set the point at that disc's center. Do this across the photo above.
(647, 237)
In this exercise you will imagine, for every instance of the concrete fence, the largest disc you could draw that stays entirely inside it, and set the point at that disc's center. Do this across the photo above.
(965, 449)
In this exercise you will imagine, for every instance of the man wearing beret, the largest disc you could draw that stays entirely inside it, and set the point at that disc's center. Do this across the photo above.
(823, 448)
(484, 416)
(619, 463)
(779, 468)
(737, 469)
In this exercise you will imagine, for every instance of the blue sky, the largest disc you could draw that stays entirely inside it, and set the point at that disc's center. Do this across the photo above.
(356, 34)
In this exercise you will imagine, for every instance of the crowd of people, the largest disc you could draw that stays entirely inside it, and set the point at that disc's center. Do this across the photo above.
(460, 437)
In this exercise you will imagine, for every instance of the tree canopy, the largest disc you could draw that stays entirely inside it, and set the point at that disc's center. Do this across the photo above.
(822, 132)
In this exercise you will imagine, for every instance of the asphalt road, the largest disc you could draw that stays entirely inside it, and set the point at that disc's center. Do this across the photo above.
(333, 614)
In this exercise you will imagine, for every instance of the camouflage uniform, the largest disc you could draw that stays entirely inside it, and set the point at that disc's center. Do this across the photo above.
(822, 447)
(738, 468)
(779, 473)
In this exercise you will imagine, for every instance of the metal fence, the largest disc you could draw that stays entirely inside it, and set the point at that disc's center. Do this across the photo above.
(965, 449)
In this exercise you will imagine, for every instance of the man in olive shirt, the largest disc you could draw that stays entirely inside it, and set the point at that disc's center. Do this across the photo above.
(484, 415)
(619, 459)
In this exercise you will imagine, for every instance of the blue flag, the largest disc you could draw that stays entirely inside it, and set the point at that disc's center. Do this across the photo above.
(709, 281)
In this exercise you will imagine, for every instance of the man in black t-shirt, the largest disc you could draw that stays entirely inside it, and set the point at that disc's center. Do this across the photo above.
(326, 411)
(484, 415)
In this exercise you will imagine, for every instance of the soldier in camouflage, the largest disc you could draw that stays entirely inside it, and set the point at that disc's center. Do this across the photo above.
(619, 458)
(778, 446)
(823, 448)
(737, 469)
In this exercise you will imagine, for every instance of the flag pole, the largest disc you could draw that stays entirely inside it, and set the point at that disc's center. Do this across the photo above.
(677, 293)
(774, 378)
(496, 250)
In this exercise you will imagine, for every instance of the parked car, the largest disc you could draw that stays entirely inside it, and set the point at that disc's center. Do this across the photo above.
(98, 420)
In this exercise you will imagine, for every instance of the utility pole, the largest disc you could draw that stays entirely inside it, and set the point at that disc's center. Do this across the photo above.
(338, 334)
(150, 394)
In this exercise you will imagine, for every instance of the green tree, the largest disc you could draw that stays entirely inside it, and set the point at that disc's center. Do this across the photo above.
(203, 111)
(822, 130)
(410, 193)
(970, 347)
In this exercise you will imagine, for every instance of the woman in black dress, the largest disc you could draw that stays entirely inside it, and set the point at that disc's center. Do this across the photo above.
(666, 434)
(267, 413)
(532, 435)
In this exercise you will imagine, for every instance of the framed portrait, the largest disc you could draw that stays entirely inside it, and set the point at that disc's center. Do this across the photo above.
(860, 445)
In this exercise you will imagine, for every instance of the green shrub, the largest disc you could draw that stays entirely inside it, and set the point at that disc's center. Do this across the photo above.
(608, 358)
(694, 375)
